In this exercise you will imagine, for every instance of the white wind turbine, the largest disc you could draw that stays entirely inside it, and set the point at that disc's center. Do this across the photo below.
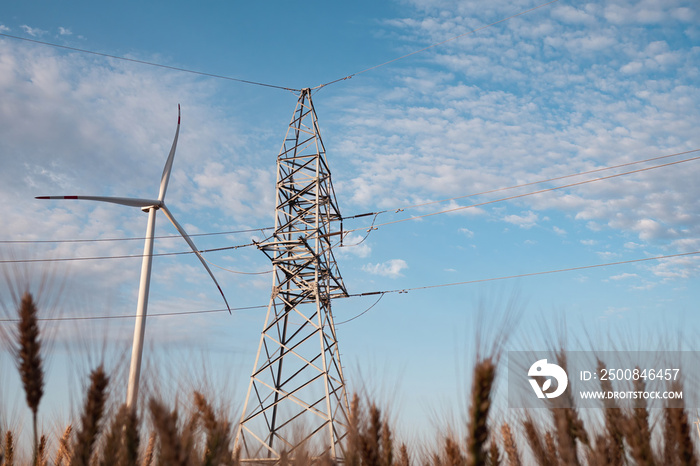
(150, 206)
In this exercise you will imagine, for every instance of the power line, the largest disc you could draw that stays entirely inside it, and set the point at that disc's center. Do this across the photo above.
(263, 229)
(596, 170)
(532, 274)
(124, 316)
(125, 256)
(517, 196)
(143, 62)
(258, 83)
(474, 31)
(98, 240)
(415, 217)
(382, 293)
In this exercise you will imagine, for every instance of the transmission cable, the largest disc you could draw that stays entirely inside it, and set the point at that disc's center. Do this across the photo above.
(382, 293)
(257, 83)
(556, 178)
(98, 240)
(415, 217)
(132, 316)
(517, 196)
(125, 256)
(396, 209)
(143, 62)
(532, 274)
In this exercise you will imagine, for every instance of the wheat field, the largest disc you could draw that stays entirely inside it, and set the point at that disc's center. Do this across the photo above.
(195, 432)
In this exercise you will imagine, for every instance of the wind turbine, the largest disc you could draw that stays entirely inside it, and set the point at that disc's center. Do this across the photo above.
(150, 206)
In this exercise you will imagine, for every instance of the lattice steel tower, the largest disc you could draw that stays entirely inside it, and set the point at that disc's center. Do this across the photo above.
(297, 392)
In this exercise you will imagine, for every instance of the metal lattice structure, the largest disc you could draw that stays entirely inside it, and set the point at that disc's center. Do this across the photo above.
(297, 395)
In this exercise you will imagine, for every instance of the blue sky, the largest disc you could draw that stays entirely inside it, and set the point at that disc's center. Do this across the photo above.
(568, 88)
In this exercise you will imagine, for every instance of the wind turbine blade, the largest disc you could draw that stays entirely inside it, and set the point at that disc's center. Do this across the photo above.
(169, 163)
(194, 249)
(128, 201)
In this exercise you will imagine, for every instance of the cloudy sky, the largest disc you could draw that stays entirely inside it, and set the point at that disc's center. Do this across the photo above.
(570, 88)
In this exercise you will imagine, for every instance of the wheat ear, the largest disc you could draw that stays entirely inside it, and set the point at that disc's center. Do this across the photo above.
(510, 446)
(150, 451)
(484, 374)
(9, 449)
(29, 360)
(64, 447)
(91, 418)
(218, 433)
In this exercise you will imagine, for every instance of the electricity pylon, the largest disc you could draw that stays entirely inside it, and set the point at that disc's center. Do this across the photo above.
(297, 397)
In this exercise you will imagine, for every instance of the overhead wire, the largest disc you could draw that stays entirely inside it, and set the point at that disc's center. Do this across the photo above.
(518, 196)
(258, 83)
(381, 295)
(384, 292)
(149, 63)
(556, 178)
(375, 226)
(396, 209)
(124, 256)
(132, 316)
(140, 238)
(533, 274)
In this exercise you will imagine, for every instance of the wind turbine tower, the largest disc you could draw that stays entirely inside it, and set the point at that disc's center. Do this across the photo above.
(297, 396)
(151, 206)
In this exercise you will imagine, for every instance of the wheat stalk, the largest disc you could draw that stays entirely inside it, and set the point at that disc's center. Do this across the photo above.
(175, 448)
(637, 431)
(91, 417)
(453, 452)
(404, 459)
(370, 438)
(218, 433)
(9, 449)
(121, 443)
(64, 447)
(484, 374)
(611, 448)
(568, 426)
(150, 450)
(387, 444)
(42, 456)
(678, 446)
(352, 442)
(536, 443)
(552, 456)
(29, 361)
(510, 446)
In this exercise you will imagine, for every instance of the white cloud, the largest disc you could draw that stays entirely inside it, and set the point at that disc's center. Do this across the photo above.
(391, 268)
(64, 31)
(559, 231)
(526, 221)
(608, 255)
(34, 32)
(624, 276)
(4, 28)
(466, 232)
(647, 12)
(434, 136)
(71, 124)
(572, 15)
